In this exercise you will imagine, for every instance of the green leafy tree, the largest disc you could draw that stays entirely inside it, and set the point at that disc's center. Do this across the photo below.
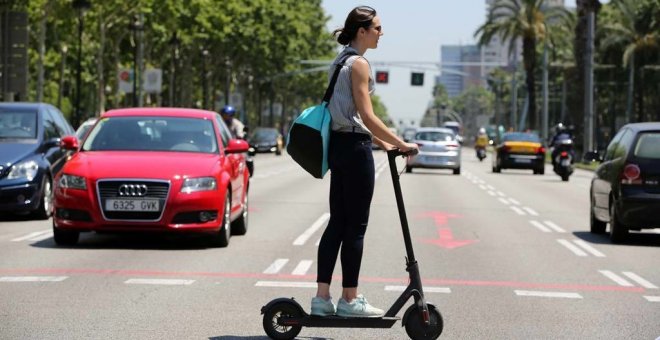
(527, 20)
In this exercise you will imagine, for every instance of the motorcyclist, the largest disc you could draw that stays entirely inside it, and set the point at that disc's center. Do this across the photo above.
(481, 141)
(562, 133)
(235, 126)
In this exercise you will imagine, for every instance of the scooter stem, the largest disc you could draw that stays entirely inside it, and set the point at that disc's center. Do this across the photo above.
(391, 157)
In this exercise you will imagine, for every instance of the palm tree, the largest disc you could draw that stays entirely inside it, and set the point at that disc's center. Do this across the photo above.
(633, 36)
(527, 20)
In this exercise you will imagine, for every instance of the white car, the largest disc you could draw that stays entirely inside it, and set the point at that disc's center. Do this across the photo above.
(438, 148)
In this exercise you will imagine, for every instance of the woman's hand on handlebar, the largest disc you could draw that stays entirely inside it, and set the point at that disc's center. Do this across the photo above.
(409, 148)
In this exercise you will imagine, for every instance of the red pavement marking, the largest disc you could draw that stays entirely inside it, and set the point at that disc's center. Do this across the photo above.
(449, 282)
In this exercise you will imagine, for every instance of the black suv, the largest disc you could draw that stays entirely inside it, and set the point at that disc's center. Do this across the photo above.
(625, 190)
(30, 156)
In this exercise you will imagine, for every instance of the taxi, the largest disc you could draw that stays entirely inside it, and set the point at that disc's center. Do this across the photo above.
(520, 150)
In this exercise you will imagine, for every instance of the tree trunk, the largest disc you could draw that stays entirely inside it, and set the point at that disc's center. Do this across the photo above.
(99, 66)
(42, 52)
(630, 114)
(529, 56)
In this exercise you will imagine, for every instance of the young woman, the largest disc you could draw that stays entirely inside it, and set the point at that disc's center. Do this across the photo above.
(354, 128)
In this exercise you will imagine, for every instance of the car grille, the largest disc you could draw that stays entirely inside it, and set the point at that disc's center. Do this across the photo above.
(109, 189)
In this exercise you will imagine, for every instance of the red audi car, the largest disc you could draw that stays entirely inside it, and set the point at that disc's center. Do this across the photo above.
(154, 169)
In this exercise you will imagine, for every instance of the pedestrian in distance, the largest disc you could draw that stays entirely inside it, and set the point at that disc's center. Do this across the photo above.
(354, 128)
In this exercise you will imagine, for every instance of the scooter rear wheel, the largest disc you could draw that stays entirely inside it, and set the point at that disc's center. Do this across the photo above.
(415, 327)
(277, 331)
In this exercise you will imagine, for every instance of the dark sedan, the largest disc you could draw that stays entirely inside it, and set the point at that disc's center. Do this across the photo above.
(266, 140)
(30, 156)
(625, 190)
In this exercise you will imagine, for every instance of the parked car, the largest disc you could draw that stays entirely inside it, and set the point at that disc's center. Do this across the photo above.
(438, 148)
(265, 139)
(520, 150)
(84, 128)
(625, 190)
(154, 169)
(30, 156)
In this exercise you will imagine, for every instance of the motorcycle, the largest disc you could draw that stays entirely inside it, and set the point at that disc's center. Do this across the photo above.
(481, 153)
(563, 156)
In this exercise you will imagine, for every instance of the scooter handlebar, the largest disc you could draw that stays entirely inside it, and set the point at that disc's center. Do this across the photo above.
(397, 152)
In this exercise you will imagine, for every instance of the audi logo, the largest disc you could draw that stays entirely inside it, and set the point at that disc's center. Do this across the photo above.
(133, 190)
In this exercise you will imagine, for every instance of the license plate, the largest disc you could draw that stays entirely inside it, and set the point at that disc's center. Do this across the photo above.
(523, 160)
(565, 162)
(131, 205)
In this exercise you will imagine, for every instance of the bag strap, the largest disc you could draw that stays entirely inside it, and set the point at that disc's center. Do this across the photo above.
(331, 87)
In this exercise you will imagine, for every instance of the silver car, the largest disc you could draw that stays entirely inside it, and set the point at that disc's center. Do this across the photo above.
(438, 148)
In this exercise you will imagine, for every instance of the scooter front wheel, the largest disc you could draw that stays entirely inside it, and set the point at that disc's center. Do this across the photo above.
(276, 311)
(415, 326)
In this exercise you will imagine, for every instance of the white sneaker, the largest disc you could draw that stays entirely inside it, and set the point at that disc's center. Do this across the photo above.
(358, 308)
(322, 307)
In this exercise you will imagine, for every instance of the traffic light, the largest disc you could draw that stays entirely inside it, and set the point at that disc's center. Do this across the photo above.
(417, 79)
(382, 77)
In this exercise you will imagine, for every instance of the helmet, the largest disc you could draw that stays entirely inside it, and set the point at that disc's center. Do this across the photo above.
(228, 110)
(482, 131)
(560, 127)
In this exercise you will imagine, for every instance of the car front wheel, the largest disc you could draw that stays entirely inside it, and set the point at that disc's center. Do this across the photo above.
(241, 224)
(221, 238)
(45, 208)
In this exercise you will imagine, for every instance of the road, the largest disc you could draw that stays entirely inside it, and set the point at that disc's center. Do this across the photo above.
(503, 256)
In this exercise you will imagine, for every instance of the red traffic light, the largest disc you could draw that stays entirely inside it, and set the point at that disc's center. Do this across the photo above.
(382, 77)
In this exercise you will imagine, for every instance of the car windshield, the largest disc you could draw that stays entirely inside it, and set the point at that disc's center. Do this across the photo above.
(152, 134)
(521, 137)
(434, 136)
(648, 145)
(83, 129)
(264, 134)
(18, 124)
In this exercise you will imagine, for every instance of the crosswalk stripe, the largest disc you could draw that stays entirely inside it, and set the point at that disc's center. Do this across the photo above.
(33, 278)
(652, 298)
(31, 235)
(616, 278)
(642, 282)
(548, 294)
(276, 266)
(288, 284)
(577, 251)
(589, 248)
(302, 267)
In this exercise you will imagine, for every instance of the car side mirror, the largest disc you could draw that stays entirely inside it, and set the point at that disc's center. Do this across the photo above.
(69, 143)
(592, 156)
(237, 146)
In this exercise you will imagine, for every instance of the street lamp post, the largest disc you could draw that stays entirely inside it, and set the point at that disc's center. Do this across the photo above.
(81, 6)
(174, 42)
(136, 26)
(205, 54)
(60, 91)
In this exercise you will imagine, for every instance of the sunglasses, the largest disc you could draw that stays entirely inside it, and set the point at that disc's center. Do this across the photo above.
(378, 28)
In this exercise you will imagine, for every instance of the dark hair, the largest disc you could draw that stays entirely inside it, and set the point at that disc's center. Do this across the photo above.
(360, 16)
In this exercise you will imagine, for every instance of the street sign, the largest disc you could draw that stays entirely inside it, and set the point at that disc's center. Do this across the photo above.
(125, 80)
(152, 80)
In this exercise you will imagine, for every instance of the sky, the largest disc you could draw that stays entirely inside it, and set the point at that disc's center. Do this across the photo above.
(413, 30)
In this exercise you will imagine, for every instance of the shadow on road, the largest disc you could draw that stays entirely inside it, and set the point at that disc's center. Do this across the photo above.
(438, 172)
(133, 241)
(233, 337)
(11, 217)
(643, 239)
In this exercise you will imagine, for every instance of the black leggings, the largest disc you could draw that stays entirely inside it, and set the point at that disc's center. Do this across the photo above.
(351, 189)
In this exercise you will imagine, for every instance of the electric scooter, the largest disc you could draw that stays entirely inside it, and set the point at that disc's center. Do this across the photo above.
(284, 318)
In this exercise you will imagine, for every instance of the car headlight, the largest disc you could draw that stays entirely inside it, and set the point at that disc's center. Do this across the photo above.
(198, 184)
(72, 182)
(27, 170)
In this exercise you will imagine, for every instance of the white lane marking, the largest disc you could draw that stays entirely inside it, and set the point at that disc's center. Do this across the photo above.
(426, 289)
(491, 193)
(302, 267)
(499, 193)
(31, 235)
(642, 282)
(616, 278)
(42, 237)
(530, 211)
(586, 246)
(554, 226)
(285, 284)
(311, 230)
(514, 201)
(168, 282)
(33, 278)
(503, 200)
(540, 226)
(276, 266)
(652, 299)
(517, 210)
(577, 251)
(380, 168)
(548, 294)
(481, 186)
(490, 187)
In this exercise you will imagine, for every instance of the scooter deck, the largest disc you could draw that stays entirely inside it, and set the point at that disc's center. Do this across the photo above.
(342, 322)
